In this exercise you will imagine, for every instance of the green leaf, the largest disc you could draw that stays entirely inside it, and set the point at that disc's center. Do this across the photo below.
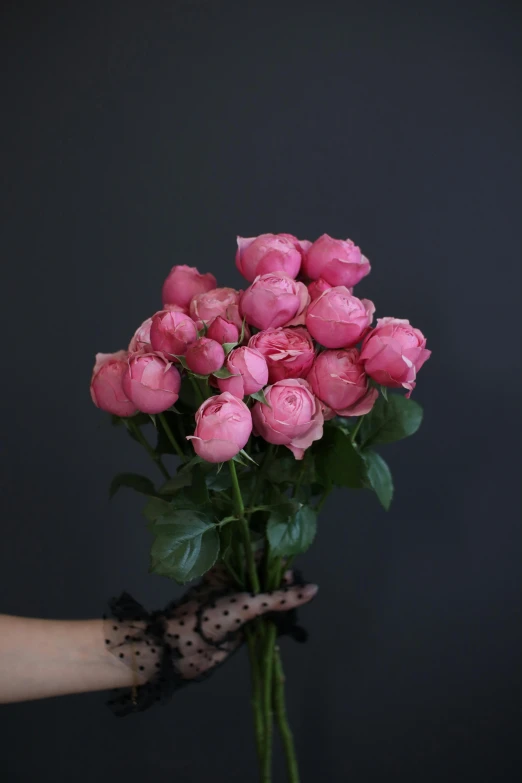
(291, 535)
(132, 481)
(228, 347)
(338, 461)
(224, 373)
(391, 420)
(379, 477)
(155, 508)
(186, 545)
(260, 397)
(218, 480)
(182, 479)
(248, 457)
(384, 392)
(197, 490)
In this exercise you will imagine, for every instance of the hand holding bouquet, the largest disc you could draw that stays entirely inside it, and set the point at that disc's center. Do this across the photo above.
(286, 382)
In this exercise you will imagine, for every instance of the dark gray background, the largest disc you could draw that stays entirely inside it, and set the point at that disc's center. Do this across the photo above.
(136, 135)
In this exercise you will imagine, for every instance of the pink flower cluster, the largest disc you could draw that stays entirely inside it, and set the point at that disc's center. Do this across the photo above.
(297, 338)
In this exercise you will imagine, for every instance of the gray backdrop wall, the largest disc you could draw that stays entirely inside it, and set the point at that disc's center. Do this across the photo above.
(136, 135)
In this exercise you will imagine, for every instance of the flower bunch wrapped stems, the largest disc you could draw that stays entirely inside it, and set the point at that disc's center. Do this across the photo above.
(289, 382)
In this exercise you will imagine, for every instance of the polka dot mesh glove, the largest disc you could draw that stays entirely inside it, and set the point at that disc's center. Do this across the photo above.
(191, 637)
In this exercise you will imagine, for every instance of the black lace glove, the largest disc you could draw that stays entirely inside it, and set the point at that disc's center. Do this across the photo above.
(191, 637)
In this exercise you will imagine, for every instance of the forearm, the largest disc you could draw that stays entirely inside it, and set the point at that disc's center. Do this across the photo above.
(42, 658)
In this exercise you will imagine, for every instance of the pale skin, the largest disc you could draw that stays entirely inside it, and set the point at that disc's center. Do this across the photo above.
(44, 658)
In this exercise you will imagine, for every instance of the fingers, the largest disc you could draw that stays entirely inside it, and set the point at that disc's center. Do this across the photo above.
(204, 659)
(230, 613)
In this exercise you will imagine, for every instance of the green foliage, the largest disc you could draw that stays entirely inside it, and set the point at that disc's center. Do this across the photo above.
(390, 420)
(224, 373)
(379, 477)
(186, 540)
(291, 534)
(132, 481)
(338, 461)
(260, 397)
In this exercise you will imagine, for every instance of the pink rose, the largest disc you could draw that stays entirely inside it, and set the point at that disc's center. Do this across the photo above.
(394, 352)
(205, 356)
(223, 427)
(172, 332)
(151, 382)
(250, 372)
(141, 338)
(221, 301)
(292, 418)
(223, 331)
(174, 308)
(338, 261)
(318, 287)
(274, 300)
(268, 253)
(106, 384)
(336, 319)
(289, 352)
(184, 283)
(339, 380)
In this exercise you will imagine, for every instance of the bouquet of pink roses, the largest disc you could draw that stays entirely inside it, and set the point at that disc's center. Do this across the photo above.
(287, 383)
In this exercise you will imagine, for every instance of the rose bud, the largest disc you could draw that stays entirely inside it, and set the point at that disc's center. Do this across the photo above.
(394, 352)
(339, 380)
(205, 356)
(172, 332)
(292, 418)
(151, 382)
(223, 427)
(318, 287)
(268, 253)
(222, 331)
(338, 261)
(141, 339)
(336, 319)
(289, 352)
(106, 384)
(274, 300)
(249, 372)
(184, 283)
(220, 301)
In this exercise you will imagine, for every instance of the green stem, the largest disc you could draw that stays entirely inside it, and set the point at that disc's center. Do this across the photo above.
(268, 670)
(170, 436)
(243, 528)
(256, 692)
(282, 719)
(322, 500)
(140, 437)
(356, 429)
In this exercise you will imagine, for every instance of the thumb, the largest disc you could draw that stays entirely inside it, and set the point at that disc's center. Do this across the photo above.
(279, 600)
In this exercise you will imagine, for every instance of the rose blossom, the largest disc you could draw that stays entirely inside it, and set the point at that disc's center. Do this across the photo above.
(292, 418)
(172, 332)
(394, 352)
(336, 319)
(184, 283)
(141, 338)
(338, 261)
(220, 301)
(106, 384)
(274, 300)
(223, 331)
(250, 372)
(318, 287)
(289, 352)
(151, 382)
(205, 356)
(269, 253)
(223, 427)
(339, 380)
